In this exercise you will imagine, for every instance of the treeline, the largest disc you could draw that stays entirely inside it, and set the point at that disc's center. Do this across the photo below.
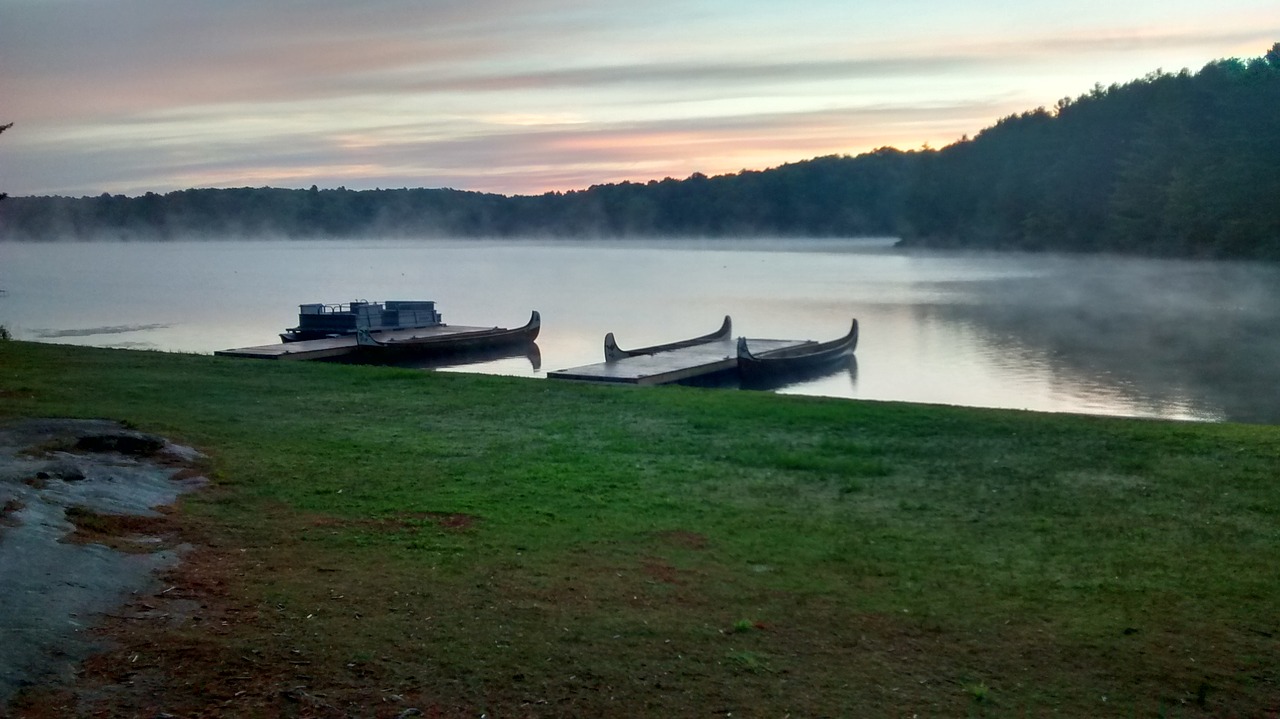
(1183, 164)
(830, 196)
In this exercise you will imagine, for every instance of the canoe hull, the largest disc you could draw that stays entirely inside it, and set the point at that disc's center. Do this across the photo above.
(803, 358)
(463, 342)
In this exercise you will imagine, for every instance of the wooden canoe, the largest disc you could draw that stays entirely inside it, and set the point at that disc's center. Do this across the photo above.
(455, 342)
(793, 359)
(613, 353)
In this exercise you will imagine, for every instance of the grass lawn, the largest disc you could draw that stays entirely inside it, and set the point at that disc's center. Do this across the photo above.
(379, 539)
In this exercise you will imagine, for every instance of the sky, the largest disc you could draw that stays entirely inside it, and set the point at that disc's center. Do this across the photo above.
(531, 96)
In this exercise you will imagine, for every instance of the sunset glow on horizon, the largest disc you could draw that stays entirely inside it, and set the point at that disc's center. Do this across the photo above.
(544, 95)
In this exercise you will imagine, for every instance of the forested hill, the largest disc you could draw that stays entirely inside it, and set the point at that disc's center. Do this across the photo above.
(1183, 164)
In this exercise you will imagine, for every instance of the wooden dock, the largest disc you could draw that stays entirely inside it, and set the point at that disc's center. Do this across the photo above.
(671, 366)
(330, 347)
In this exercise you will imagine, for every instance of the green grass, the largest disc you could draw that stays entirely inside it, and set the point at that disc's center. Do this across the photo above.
(523, 547)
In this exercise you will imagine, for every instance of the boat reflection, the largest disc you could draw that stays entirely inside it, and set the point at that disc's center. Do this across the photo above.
(845, 367)
(461, 358)
(841, 366)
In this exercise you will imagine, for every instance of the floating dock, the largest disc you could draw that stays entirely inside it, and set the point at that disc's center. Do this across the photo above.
(671, 366)
(330, 347)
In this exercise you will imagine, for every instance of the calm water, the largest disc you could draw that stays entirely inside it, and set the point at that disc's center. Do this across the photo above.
(1192, 340)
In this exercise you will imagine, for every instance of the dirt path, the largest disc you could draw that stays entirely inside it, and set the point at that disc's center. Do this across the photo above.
(79, 503)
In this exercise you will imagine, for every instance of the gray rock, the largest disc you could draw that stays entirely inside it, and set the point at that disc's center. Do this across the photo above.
(50, 590)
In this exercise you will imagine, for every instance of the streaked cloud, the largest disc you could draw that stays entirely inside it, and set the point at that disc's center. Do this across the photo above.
(498, 95)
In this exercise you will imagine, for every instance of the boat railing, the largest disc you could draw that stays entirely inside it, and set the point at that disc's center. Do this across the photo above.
(319, 308)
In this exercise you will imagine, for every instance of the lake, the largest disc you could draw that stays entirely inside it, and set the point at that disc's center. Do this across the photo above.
(1096, 335)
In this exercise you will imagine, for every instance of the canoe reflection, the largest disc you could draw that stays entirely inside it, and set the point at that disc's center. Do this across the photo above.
(461, 358)
(846, 366)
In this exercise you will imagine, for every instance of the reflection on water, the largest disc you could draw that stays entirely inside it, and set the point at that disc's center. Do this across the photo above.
(838, 378)
(460, 360)
(91, 331)
(1183, 340)
(1097, 335)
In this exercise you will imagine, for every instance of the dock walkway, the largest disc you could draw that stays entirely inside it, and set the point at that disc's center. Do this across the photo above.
(330, 347)
(670, 366)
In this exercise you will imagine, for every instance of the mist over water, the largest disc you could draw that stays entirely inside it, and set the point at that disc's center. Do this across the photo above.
(1175, 339)
(1099, 335)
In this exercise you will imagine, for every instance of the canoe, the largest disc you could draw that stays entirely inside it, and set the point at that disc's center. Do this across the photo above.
(613, 353)
(787, 360)
(448, 343)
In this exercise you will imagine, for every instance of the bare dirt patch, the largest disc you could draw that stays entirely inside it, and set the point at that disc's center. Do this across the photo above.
(199, 647)
(404, 521)
(684, 539)
(123, 532)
